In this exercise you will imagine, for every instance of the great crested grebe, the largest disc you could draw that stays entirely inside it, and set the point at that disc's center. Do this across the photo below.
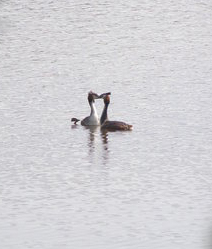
(111, 125)
(93, 119)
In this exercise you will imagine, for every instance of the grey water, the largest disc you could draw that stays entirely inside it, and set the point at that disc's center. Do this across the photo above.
(66, 186)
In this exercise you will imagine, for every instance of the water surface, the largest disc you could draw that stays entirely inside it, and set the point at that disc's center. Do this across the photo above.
(65, 186)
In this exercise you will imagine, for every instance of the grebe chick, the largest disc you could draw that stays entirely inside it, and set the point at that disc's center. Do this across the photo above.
(111, 125)
(93, 119)
(75, 120)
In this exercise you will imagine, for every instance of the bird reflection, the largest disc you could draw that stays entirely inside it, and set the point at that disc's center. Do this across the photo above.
(94, 149)
(74, 126)
(92, 133)
(104, 135)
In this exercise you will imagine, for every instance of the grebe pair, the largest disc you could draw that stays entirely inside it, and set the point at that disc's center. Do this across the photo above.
(93, 119)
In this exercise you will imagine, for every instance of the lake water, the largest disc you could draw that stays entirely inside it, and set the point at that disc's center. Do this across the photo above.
(65, 186)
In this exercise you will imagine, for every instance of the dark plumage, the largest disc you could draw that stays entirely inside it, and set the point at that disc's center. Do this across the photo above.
(112, 125)
(116, 126)
(75, 120)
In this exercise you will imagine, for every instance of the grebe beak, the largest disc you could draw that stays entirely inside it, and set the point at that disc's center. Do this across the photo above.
(104, 95)
(95, 95)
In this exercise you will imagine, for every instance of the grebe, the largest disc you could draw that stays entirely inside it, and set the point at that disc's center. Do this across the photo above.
(93, 119)
(111, 125)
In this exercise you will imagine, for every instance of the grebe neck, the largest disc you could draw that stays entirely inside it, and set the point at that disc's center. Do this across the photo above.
(104, 114)
(93, 109)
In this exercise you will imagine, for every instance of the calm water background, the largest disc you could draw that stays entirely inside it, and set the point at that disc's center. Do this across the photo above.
(64, 186)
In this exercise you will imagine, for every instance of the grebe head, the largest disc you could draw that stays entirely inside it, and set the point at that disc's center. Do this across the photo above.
(107, 99)
(92, 96)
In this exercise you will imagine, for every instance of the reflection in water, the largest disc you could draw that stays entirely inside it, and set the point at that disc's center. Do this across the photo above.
(94, 146)
(92, 133)
(75, 126)
(104, 135)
